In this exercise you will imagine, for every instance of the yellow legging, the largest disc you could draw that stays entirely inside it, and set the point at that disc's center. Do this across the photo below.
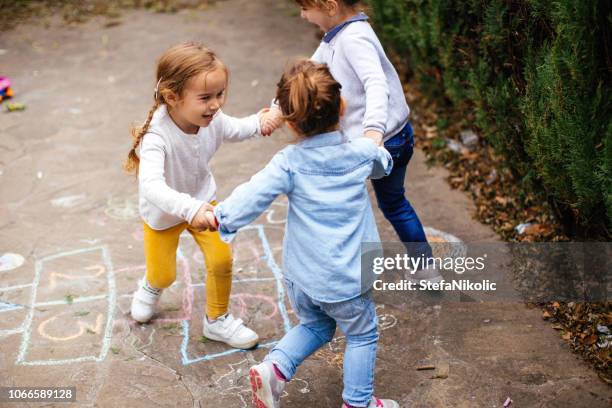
(160, 256)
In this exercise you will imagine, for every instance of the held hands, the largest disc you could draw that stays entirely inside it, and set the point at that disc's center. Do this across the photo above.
(374, 136)
(205, 219)
(270, 119)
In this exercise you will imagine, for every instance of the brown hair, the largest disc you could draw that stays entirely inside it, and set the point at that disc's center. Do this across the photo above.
(309, 97)
(324, 4)
(175, 68)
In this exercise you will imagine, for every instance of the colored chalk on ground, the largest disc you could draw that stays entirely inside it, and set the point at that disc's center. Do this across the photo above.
(14, 107)
(9, 261)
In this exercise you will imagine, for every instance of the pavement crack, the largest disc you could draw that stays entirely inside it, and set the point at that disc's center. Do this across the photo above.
(182, 381)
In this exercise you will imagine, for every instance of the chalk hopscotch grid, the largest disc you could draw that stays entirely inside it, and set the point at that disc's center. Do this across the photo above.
(280, 290)
(9, 307)
(23, 349)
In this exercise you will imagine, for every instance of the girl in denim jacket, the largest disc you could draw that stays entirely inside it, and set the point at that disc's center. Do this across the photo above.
(324, 177)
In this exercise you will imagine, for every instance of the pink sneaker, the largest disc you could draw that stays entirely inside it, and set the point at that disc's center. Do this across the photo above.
(266, 387)
(378, 403)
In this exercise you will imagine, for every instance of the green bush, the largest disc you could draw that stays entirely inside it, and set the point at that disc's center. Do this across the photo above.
(536, 73)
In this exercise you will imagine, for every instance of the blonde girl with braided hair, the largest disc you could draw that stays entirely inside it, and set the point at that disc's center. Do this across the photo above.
(324, 178)
(170, 156)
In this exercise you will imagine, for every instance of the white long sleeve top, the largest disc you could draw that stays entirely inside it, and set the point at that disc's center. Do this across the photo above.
(174, 177)
(370, 84)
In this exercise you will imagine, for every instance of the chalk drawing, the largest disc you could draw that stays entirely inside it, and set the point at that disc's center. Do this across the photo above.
(10, 261)
(121, 209)
(54, 276)
(270, 213)
(130, 269)
(91, 241)
(242, 298)
(386, 321)
(111, 300)
(236, 382)
(16, 287)
(79, 299)
(280, 303)
(68, 201)
(83, 327)
(4, 333)
(8, 307)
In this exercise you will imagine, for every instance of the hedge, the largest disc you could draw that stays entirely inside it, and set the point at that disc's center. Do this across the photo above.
(536, 73)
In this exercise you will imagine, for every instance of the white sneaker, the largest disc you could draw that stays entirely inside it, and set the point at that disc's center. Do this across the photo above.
(378, 403)
(144, 302)
(266, 387)
(231, 331)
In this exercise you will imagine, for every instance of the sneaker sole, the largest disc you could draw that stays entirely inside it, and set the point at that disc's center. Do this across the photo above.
(258, 391)
(242, 346)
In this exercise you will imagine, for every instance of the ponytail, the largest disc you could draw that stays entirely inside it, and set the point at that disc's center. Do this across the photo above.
(309, 97)
(138, 132)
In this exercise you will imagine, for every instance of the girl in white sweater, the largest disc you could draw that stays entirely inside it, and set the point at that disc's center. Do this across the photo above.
(183, 130)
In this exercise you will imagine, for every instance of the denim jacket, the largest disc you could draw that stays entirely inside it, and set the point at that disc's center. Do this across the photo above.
(329, 213)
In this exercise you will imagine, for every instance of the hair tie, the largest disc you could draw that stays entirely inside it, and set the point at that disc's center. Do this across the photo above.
(157, 87)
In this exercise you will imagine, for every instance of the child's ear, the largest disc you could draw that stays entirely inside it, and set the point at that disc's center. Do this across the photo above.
(342, 107)
(170, 97)
(332, 8)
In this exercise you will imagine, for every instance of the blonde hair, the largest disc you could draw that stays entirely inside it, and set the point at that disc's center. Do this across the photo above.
(175, 68)
(309, 97)
(324, 4)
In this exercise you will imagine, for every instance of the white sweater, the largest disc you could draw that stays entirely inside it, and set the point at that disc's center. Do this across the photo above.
(370, 85)
(174, 178)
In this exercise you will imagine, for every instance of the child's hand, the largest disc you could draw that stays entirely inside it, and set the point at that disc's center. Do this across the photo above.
(374, 136)
(212, 220)
(271, 119)
(205, 219)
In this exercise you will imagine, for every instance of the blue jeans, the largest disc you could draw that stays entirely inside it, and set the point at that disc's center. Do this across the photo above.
(390, 194)
(357, 320)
